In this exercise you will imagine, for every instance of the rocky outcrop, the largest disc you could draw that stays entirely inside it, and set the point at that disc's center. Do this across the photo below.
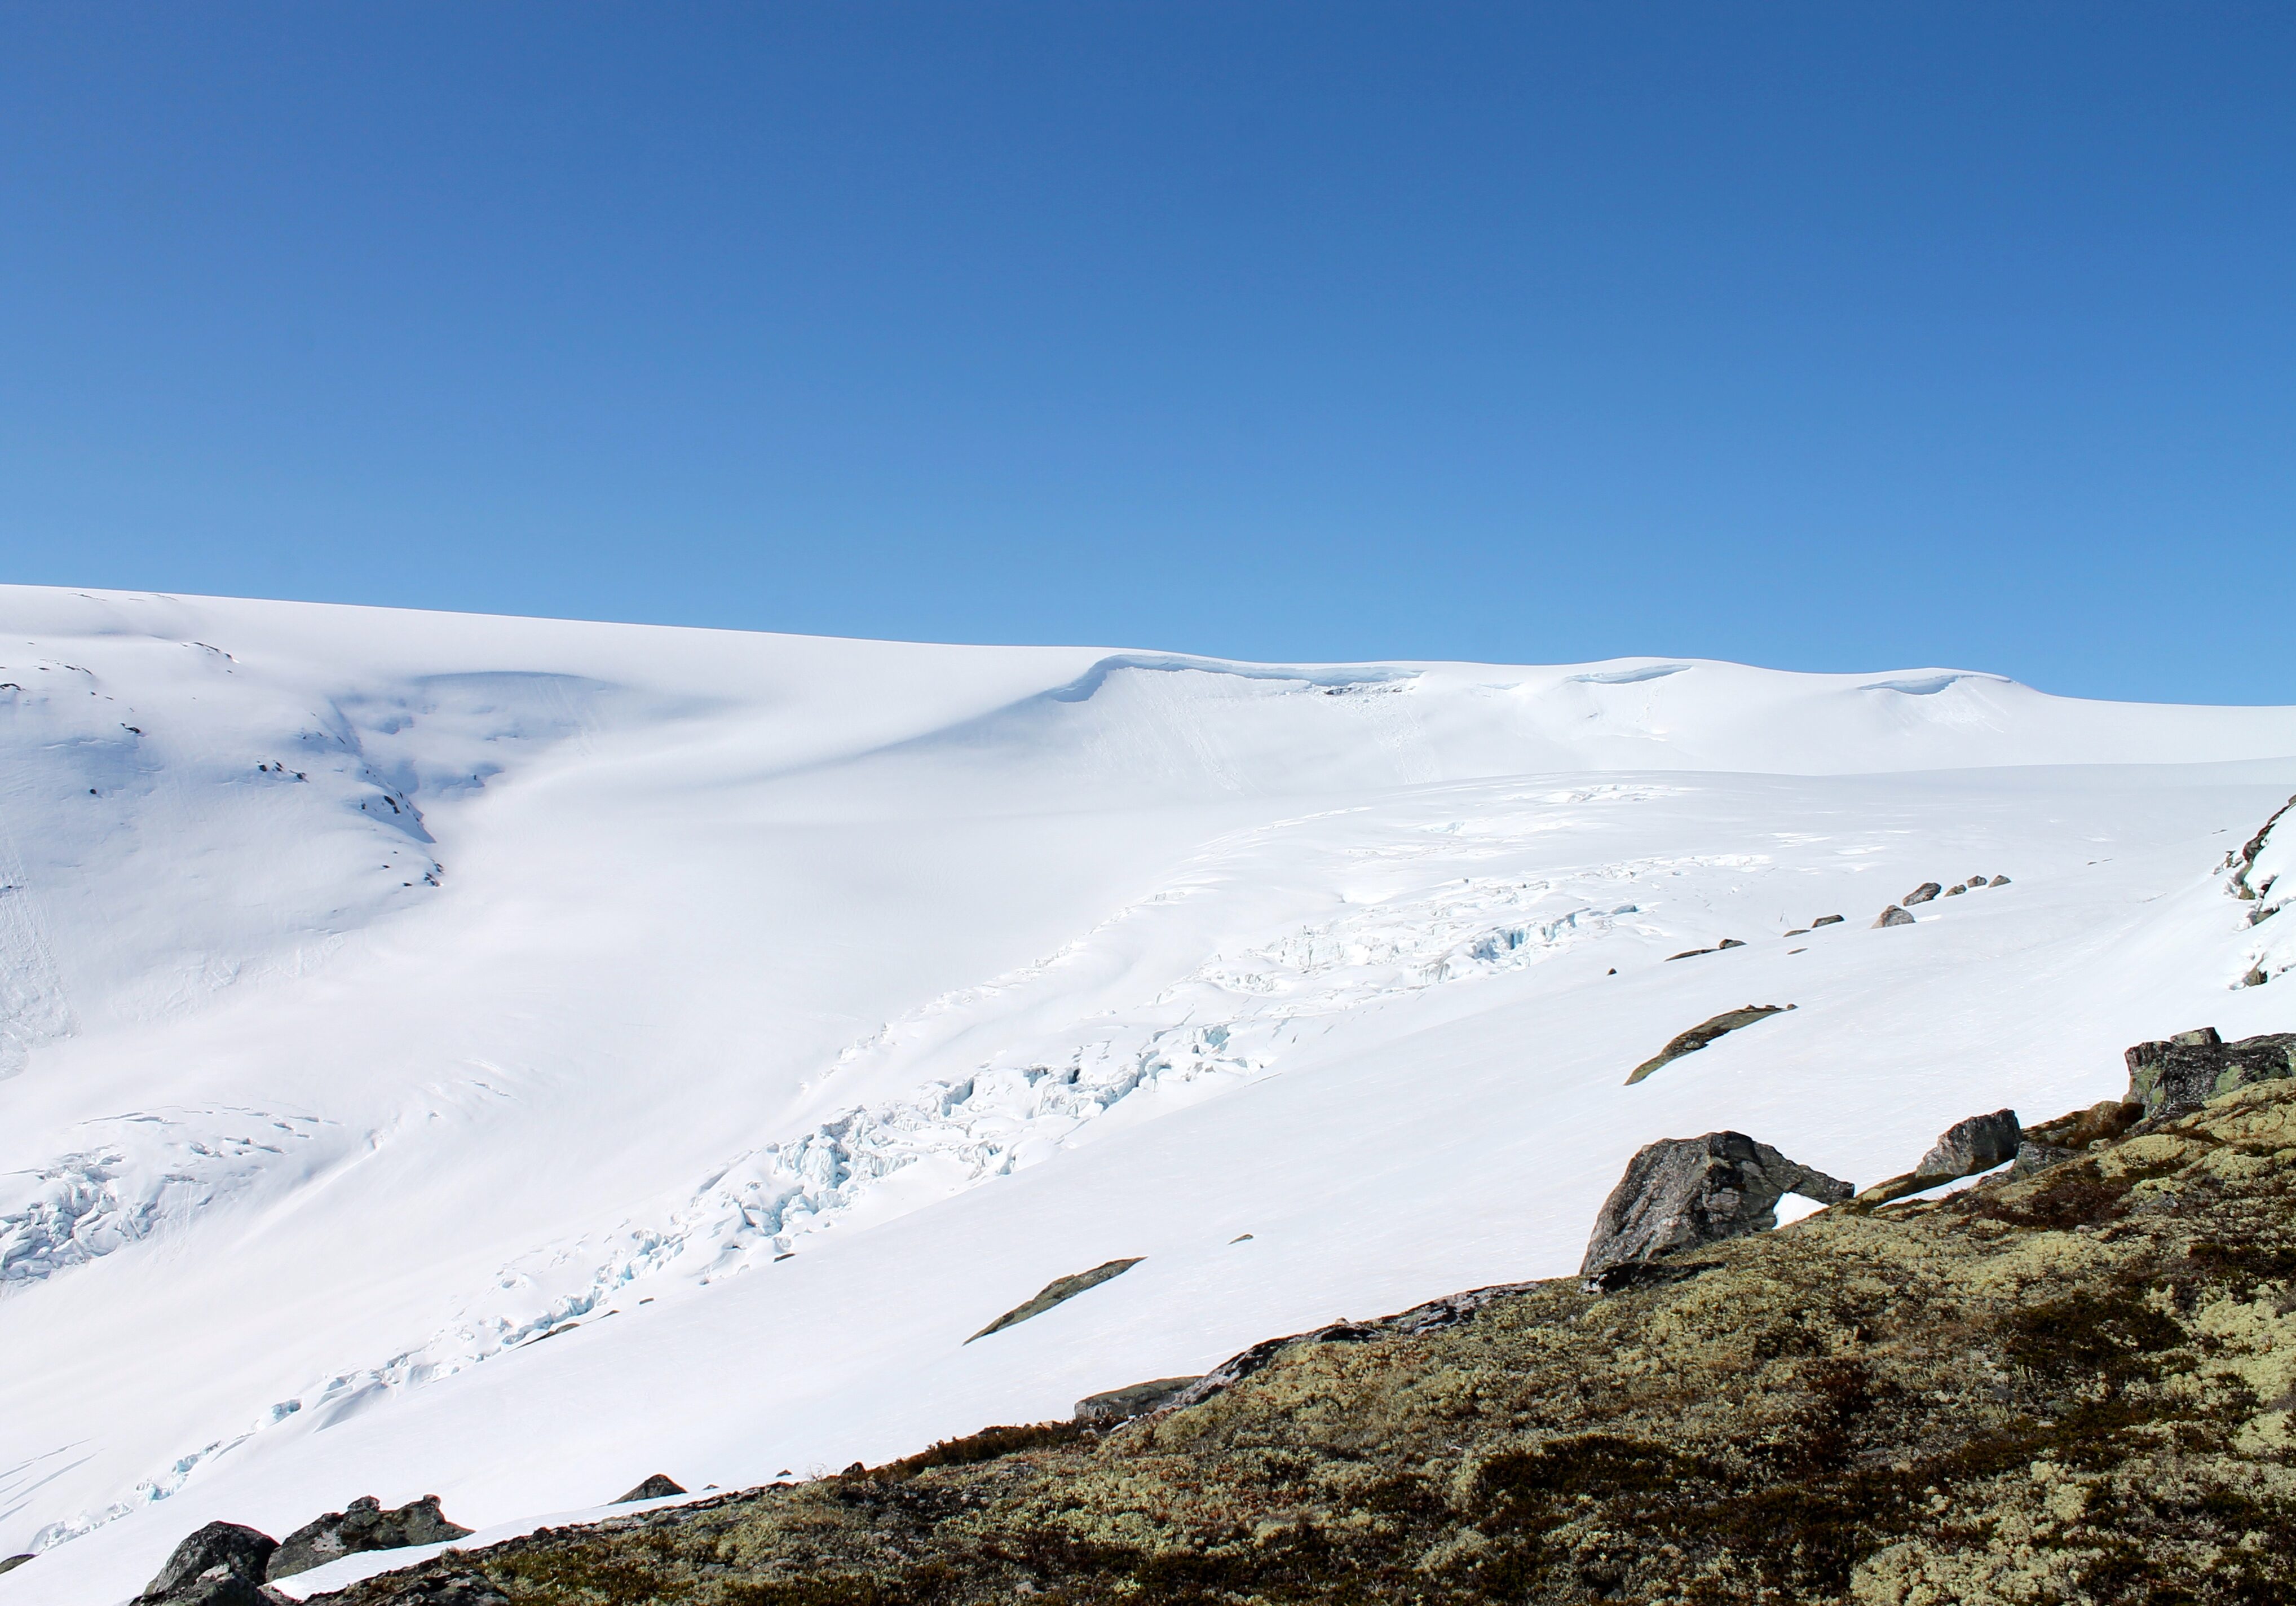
(2064, 1387)
(223, 1564)
(1122, 1404)
(1684, 1192)
(2179, 1074)
(2244, 863)
(1053, 1292)
(1922, 894)
(660, 1486)
(1978, 1144)
(1964, 1148)
(1892, 916)
(362, 1526)
(1705, 1032)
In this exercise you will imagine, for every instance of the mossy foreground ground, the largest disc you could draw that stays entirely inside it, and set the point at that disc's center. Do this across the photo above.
(2073, 1388)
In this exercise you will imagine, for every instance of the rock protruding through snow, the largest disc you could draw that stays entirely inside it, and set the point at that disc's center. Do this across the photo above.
(362, 1526)
(1705, 1032)
(1055, 1292)
(223, 1564)
(1967, 1147)
(1964, 1148)
(1683, 1192)
(662, 1485)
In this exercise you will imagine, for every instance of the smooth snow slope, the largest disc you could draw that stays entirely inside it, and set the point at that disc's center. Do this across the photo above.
(755, 1017)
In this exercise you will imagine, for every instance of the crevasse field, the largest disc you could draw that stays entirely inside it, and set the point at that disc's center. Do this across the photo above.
(504, 1059)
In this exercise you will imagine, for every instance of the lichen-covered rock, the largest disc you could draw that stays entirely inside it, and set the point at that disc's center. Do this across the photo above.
(1922, 894)
(1892, 916)
(208, 1562)
(2071, 1387)
(362, 1526)
(2179, 1074)
(1684, 1192)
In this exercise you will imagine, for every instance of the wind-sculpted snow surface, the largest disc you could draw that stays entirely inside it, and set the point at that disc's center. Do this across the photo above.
(503, 1058)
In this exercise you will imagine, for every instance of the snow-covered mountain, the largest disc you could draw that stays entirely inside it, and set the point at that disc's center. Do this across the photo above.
(755, 1017)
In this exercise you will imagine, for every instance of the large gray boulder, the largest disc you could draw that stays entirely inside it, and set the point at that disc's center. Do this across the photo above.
(2177, 1074)
(1923, 893)
(1892, 916)
(662, 1485)
(362, 1526)
(220, 1565)
(1683, 1192)
(1965, 1148)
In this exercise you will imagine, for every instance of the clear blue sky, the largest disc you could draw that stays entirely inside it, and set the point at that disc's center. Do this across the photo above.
(1821, 336)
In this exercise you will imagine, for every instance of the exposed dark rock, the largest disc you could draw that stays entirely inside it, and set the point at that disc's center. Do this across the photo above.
(1825, 920)
(1799, 931)
(1964, 1148)
(1978, 1144)
(1955, 890)
(218, 1552)
(2177, 1074)
(2246, 860)
(1892, 916)
(1923, 893)
(10, 1564)
(1683, 1192)
(660, 1486)
(1122, 1404)
(1998, 881)
(2043, 1389)
(1056, 1290)
(362, 1526)
(1697, 1036)
(1729, 942)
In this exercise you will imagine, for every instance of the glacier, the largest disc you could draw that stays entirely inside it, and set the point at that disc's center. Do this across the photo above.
(752, 1018)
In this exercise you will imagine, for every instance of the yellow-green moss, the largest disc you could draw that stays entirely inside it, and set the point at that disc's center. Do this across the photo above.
(2076, 1388)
